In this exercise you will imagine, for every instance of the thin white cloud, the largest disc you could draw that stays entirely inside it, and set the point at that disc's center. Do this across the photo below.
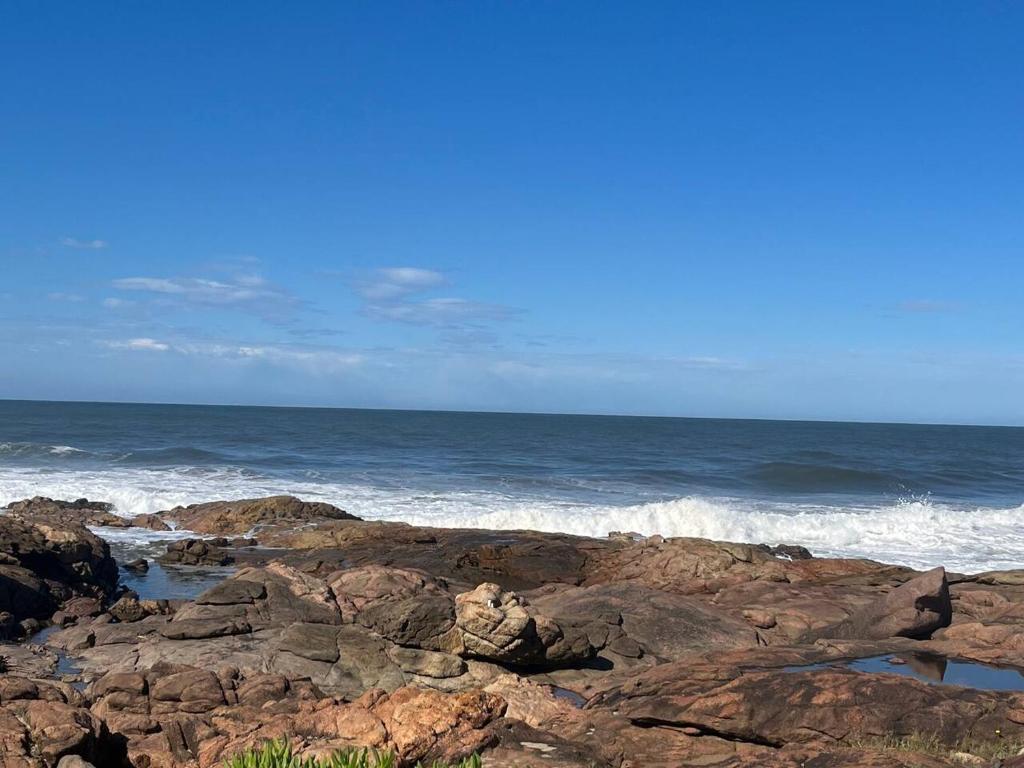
(140, 345)
(66, 298)
(88, 245)
(248, 293)
(440, 312)
(612, 367)
(310, 358)
(395, 282)
(112, 302)
(927, 306)
(390, 295)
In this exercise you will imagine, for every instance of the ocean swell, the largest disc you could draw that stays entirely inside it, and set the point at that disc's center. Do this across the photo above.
(915, 532)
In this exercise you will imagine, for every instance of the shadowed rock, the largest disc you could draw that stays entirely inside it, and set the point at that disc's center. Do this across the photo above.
(45, 563)
(195, 552)
(915, 609)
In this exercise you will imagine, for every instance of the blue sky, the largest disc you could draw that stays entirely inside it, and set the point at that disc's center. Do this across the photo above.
(792, 210)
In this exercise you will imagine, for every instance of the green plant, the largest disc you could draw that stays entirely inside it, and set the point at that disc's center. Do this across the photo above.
(278, 754)
(987, 748)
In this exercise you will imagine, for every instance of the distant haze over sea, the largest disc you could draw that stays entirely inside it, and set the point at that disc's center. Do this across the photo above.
(920, 495)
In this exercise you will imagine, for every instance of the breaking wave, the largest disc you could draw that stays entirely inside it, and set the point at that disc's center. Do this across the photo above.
(915, 532)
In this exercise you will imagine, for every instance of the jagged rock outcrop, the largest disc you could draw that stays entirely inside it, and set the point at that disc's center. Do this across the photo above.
(45, 563)
(173, 715)
(80, 511)
(42, 722)
(496, 625)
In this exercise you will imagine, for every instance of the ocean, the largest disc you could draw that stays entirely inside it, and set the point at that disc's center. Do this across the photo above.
(918, 495)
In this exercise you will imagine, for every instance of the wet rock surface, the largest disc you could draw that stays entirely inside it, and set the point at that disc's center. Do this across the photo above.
(532, 648)
(196, 552)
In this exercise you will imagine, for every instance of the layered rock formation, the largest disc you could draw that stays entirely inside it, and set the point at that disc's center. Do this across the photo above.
(45, 562)
(534, 649)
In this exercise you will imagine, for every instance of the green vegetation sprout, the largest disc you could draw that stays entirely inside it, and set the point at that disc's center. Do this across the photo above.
(278, 754)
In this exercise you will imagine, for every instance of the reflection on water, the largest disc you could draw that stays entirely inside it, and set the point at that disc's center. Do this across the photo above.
(173, 582)
(934, 669)
(66, 668)
(570, 696)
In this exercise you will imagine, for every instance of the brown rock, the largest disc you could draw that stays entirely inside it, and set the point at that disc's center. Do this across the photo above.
(244, 515)
(152, 522)
(816, 706)
(44, 563)
(195, 552)
(427, 725)
(80, 512)
(495, 625)
(915, 609)
(41, 722)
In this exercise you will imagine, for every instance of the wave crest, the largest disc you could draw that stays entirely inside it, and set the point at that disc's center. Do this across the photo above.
(917, 532)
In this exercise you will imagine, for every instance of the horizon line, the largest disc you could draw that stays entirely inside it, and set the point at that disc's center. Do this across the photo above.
(518, 413)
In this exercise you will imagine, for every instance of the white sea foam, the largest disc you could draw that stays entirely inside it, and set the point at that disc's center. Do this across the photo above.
(64, 450)
(919, 533)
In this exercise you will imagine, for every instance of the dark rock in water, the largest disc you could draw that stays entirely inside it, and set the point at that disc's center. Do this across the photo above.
(195, 552)
(29, 627)
(244, 515)
(79, 511)
(140, 565)
(44, 563)
(238, 541)
(152, 522)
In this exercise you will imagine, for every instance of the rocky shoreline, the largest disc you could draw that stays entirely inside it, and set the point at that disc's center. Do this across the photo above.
(528, 648)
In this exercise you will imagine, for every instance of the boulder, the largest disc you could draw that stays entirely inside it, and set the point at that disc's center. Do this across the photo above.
(80, 511)
(915, 610)
(152, 522)
(195, 552)
(43, 724)
(225, 518)
(495, 625)
(630, 622)
(46, 563)
(406, 606)
(128, 608)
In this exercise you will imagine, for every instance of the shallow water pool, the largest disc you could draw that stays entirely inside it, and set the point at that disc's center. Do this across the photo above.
(934, 669)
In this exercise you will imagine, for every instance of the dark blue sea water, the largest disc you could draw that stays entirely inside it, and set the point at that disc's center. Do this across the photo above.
(914, 494)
